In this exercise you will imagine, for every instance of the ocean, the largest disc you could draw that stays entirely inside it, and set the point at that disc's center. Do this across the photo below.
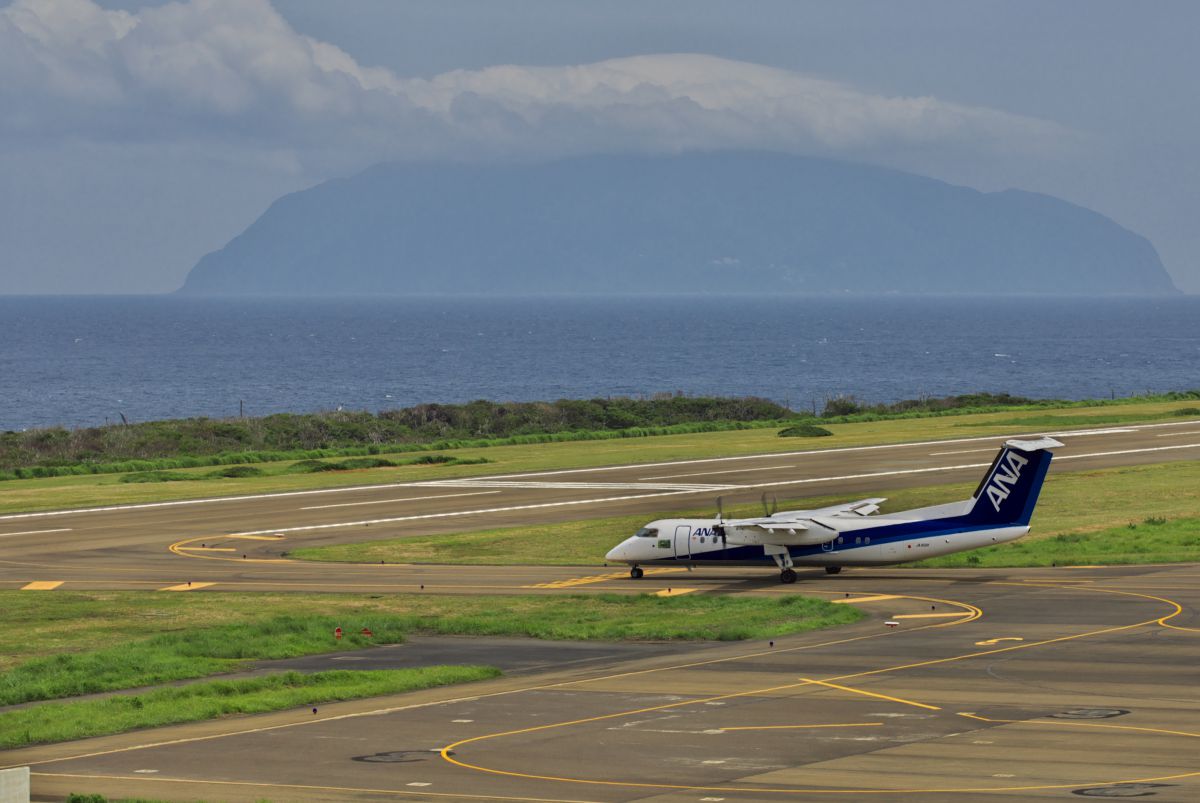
(78, 361)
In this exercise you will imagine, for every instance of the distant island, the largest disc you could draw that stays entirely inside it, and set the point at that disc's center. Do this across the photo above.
(718, 222)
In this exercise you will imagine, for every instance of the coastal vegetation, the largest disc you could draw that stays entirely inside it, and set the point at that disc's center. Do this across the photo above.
(240, 443)
(570, 451)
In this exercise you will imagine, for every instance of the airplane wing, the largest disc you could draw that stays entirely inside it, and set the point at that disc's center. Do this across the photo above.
(863, 507)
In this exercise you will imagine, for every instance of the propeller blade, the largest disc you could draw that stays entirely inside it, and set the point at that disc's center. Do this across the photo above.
(774, 504)
(766, 510)
(720, 511)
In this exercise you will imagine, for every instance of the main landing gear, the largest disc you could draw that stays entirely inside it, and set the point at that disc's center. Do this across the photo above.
(787, 576)
(636, 572)
(833, 570)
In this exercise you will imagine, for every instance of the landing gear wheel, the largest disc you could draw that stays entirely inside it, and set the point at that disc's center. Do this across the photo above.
(833, 570)
(636, 573)
(787, 576)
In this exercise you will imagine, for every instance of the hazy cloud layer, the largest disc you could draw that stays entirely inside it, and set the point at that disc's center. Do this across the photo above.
(236, 71)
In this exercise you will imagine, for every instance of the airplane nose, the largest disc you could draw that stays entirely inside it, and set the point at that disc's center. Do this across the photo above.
(616, 554)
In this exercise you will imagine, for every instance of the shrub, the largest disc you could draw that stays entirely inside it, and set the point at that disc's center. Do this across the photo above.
(804, 431)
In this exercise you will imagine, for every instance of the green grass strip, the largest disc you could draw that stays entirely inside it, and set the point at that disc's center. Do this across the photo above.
(58, 722)
(1152, 540)
(184, 655)
(275, 627)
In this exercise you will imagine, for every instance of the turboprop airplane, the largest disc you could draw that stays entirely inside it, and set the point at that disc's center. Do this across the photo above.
(848, 534)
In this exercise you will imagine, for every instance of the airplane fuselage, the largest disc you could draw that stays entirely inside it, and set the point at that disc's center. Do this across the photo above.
(698, 542)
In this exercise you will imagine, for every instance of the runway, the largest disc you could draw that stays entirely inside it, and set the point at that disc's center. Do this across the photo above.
(1007, 685)
(239, 543)
(1022, 684)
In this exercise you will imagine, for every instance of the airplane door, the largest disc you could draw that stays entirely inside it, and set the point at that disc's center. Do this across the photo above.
(683, 541)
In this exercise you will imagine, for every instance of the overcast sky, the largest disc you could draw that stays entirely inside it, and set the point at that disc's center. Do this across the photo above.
(135, 137)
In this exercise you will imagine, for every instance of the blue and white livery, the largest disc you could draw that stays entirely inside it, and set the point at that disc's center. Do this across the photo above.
(849, 534)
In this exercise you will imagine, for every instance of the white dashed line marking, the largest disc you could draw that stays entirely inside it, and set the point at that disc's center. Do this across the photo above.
(712, 473)
(405, 499)
(37, 532)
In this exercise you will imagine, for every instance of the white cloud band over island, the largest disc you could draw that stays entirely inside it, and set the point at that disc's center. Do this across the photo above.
(236, 72)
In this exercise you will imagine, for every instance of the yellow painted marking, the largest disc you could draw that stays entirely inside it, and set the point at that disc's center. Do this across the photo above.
(872, 598)
(1074, 724)
(42, 585)
(187, 587)
(927, 615)
(674, 592)
(872, 694)
(184, 549)
(597, 578)
(209, 548)
(798, 727)
(309, 787)
(992, 641)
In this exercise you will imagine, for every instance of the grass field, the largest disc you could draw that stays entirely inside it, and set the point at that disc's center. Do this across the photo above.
(91, 490)
(59, 722)
(1083, 517)
(146, 638)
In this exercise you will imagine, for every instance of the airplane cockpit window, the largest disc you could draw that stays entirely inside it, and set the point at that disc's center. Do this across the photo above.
(646, 532)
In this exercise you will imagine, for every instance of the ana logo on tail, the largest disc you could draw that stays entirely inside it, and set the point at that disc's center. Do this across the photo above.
(1005, 477)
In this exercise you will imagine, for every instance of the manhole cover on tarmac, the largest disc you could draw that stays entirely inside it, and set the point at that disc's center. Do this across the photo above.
(1090, 713)
(1121, 790)
(399, 756)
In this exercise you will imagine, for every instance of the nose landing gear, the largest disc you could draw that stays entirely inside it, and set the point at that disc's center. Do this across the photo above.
(636, 572)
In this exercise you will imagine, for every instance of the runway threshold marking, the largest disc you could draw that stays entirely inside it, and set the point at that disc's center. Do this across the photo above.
(42, 585)
(187, 587)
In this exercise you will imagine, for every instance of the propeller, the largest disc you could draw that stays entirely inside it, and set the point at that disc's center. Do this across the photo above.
(719, 527)
(773, 509)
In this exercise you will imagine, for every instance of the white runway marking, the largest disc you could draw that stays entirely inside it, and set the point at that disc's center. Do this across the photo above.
(405, 499)
(1178, 434)
(37, 532)
(963, 451)
(571, 502)
(997, 439)
(487, 482)
(711, 473)
(457, 513)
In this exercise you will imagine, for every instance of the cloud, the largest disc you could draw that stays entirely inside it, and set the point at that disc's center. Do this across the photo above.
(234, 71)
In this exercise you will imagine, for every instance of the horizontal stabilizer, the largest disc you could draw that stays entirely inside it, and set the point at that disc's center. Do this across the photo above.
(1033, 445)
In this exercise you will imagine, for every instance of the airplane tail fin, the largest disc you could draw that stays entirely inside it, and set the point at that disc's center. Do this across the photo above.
(1010, 488)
